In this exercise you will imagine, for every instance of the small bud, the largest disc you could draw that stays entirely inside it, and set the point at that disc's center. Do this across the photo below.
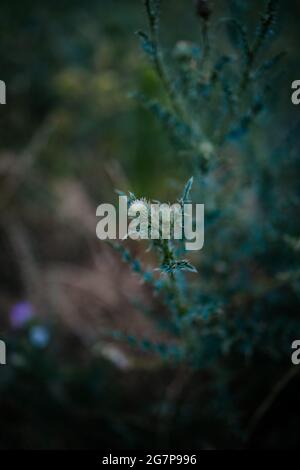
(138, 206)
(207, 150)
(202, 9)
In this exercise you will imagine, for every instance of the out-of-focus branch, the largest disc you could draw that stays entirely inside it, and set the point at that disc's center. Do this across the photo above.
(26, 161)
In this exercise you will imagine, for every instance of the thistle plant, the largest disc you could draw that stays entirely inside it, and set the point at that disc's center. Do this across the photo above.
(214, 109)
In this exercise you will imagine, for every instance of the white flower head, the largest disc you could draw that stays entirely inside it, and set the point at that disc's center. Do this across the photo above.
(138, 206)
(139, 211)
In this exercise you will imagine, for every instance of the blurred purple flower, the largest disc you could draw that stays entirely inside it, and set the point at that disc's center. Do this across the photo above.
(20, 314)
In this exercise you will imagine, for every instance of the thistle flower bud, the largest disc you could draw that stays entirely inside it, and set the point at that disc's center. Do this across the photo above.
(139, 205)
(165, 216)
(163, 211)
(186, 51)
(207, 149)
(203, 9)
(183, 50)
